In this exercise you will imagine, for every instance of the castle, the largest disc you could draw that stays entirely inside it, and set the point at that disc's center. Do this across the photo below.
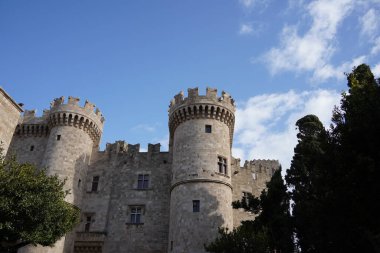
(132, 201)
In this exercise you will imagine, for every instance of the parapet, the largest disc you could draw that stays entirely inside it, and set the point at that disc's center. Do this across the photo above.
(211, 98)
(72, 105)
(124, 147)
(195, 106)
(262, 166)
(89, 118)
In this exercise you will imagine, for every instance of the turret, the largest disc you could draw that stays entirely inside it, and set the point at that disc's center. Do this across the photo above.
(74, 132)
(201, 134)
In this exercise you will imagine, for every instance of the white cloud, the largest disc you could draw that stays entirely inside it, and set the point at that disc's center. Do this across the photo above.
(265, 125)
(313, 49)
(247, 3)
(369, 23)
(250, 4)
(376, 48)
(145, 127)
(246, 29)
(376, 70)
(329, 71)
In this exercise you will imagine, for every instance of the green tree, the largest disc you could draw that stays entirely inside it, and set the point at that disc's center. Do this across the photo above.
(309, 182)
(356, 134)
(32, 207)
(335, 174)
(271, 231)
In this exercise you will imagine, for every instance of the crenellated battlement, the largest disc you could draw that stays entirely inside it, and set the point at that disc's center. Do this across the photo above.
(89, 118)
(261, 166)
(89, 109)
(124, 148)
(195, 106)
(211, 97)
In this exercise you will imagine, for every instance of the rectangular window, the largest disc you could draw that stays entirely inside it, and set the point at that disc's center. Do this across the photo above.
(143, 181)
(208, 129)
(196, 206)
(136, 215)
(171, 245)
(31, 148)
(88, 223)
(95, 183)
(245, 197)
(222, 165)
(79, 183)
(58, 137)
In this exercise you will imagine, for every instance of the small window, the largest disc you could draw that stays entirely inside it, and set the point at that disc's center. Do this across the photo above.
(31, 148)
(95, 183)
(58, 137)
(88, 223)
(143, 181)
(171, 245)
(196, 206)
(222, 165)
(79, 183)
(245, 197)
(208, 129)
(136, 215)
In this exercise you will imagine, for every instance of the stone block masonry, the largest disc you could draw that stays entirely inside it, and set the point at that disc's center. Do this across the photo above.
(145, 202)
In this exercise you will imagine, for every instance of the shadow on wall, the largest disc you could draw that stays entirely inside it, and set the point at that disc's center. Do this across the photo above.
(78, 189)
(192, 229)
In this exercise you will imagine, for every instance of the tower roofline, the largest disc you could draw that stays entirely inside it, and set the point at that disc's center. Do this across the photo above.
(193, 97)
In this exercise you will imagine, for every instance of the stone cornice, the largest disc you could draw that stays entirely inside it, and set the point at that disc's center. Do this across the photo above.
(199, 180)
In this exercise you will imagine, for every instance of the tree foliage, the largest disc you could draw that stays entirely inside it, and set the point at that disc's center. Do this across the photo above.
(335, 174)
(271, 231)
(32, 207)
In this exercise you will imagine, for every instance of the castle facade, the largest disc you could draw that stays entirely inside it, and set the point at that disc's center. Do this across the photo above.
(142, 202)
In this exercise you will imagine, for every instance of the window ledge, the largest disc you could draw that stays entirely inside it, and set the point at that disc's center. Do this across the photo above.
(221, 174)
(92, 192)
(143, 189)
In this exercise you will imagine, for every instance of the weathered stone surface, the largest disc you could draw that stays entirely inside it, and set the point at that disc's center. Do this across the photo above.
(105, 184)
(9, 116)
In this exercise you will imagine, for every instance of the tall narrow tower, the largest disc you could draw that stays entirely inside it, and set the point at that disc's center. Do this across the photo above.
(75, 133)
(201, 132)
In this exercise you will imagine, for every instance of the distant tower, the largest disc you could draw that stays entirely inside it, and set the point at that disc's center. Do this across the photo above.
(201, 132)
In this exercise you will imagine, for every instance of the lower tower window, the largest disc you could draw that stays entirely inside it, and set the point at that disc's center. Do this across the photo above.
(95, 183)
(196, 206)
(89, 220)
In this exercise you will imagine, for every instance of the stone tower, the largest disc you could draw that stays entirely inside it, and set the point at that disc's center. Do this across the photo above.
(62, 140)
(75, 132)
(201, 131)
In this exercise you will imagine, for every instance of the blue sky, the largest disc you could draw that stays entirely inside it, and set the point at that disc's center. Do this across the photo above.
(279, 60)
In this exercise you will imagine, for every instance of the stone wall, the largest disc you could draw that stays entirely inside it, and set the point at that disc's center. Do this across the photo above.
(9, 116)
(110, 206)
(105, 184)
(251, 178)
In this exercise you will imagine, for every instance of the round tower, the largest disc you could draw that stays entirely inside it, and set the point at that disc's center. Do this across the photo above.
(74, 132)
(201, 132)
